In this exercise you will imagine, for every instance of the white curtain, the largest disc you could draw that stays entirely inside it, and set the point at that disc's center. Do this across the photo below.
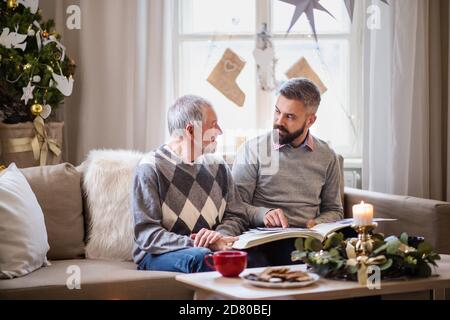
(124, 78)
(403, 151)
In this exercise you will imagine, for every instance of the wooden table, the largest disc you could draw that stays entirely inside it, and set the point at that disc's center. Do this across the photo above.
(209, 285)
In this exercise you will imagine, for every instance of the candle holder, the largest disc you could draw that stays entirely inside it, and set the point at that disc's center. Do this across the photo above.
(364, 245)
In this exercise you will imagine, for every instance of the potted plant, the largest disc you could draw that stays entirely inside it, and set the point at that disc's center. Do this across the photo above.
(36, 74)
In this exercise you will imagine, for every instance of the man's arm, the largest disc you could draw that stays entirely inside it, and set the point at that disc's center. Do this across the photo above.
(235, 220)
(331, 204)
(245, 174)
(149, 234)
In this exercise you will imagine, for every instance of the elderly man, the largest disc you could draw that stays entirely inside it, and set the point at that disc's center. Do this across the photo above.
(181, 193)
(288, 175)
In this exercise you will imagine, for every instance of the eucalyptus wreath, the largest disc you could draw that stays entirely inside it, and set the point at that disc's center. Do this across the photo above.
(336, 257)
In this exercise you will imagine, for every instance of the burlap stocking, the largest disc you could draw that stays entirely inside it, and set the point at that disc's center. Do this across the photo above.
(302, 69)
(223, 77)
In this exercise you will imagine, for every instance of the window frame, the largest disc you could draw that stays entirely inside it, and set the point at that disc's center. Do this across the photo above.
(264, 106)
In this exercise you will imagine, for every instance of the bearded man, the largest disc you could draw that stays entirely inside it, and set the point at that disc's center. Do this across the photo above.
(289, 177)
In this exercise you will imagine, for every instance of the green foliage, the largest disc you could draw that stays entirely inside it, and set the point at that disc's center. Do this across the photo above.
(312, 244)
(396, 257)
(17, 67)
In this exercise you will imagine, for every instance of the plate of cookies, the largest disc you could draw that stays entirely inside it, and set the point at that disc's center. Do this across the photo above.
(281, 278)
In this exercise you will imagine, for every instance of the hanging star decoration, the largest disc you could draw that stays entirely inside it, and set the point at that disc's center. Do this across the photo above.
(307, 7)
(27, 93)
(350, 5)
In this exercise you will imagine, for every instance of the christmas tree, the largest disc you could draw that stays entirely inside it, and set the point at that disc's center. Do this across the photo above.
(35, 71)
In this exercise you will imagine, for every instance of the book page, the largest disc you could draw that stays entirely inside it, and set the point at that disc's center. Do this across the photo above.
(256, 237)
(326, 228)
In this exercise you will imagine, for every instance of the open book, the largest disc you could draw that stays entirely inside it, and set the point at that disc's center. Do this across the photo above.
(259, 236)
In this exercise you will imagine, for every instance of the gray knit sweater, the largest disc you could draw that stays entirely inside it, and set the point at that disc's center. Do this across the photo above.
(172, 199)
(302, 181)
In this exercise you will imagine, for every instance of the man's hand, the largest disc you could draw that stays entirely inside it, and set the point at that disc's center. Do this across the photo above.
(212, 240)
(223, 243)
(275, 218)
(311, 223)
(205, 237)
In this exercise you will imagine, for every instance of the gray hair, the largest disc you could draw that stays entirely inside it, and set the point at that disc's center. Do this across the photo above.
(301, 89)
(186, 110)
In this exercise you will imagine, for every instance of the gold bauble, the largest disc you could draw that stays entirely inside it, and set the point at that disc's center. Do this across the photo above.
(11, 4)
(45, 34)
(36, 109)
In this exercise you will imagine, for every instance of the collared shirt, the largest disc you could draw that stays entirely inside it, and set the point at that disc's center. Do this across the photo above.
(308, 142)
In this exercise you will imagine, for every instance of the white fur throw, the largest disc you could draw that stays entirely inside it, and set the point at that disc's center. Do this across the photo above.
(107, 183)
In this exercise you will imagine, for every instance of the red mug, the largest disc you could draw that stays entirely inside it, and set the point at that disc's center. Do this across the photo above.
(228, 263)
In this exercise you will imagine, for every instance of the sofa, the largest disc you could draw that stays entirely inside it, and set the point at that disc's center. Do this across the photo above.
(59, 191)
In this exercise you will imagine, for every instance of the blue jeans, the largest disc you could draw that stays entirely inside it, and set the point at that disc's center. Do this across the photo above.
(185, 260)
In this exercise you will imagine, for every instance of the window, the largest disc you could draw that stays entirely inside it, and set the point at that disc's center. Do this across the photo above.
(207, 27)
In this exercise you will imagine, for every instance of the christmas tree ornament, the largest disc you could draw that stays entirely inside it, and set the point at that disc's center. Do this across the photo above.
(13, 39)
(30, 31)
(224, 75)
(307, 7)
(36, 79)
(36, 109)
(11, 4)
(27, 93)
(63, 84)
(38, 34)
(302, 69)
(264, 55)
(45, 34)
(62, 48)
(46, 111)
(31, 4)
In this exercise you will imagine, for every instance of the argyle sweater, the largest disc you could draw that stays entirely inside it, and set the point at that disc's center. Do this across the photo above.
(172, 199)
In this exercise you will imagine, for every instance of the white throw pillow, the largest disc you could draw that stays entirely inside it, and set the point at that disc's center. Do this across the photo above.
(23, 236)
(107, 184)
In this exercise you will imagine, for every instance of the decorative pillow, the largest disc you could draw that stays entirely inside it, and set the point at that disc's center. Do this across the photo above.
(58, 191)
(23, 237)
(107, 183)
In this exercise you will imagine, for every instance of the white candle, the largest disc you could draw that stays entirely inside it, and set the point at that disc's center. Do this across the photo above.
(362, 214)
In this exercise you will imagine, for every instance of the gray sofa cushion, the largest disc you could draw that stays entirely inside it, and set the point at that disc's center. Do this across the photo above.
(58, 191)
(415, 216)
(99, 280)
